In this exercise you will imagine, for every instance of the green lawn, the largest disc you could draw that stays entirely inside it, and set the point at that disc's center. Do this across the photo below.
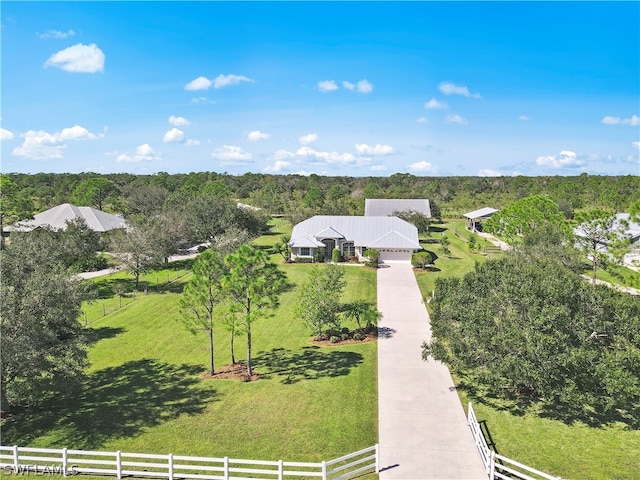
(144, 393)
(571, 451)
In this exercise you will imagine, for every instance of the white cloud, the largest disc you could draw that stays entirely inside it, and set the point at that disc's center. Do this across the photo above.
(635, 145)
(565, 159)
(449, 88)
(378, 150)
(435, 104)
(308, 139)
(523, 118)
(327, 157)
(423, 166)
(633, 121)
(281, 155)
(5, 134)
(279, 166)
(178, 121)
(200, 83)
(364, 86)
(41, 145)
(257, 135)
(227, 80)
(327, 86)
(192, 143)
(78, 58)
(378, 168)
(174, 135)
(56, 34)
(231, 154)
(422, 120)
(198, 99)
(488, 172)
(144, 153)
(348, 85)
(456, 119)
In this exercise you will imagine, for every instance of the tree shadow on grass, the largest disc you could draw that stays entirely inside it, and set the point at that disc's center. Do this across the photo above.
(625, 416)
(94, 335)
(116, 402)
(309, 364)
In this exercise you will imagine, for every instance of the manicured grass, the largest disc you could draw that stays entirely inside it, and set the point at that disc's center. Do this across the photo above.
(569, 451)
(144, 392)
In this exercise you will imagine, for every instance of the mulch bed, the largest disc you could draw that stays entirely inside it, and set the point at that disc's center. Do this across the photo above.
(233, 371)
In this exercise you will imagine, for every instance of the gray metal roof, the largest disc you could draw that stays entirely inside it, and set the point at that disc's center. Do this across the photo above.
(383, 207)
(622, 225)
(56, 218)
(485, 212)
(374, 232)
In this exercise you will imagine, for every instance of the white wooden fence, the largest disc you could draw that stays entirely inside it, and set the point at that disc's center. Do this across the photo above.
(498, 466)
(67, 462)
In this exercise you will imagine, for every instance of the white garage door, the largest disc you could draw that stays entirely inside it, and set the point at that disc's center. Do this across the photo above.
(395, 255)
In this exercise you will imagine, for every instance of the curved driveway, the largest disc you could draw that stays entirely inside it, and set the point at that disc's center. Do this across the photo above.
(423, 432)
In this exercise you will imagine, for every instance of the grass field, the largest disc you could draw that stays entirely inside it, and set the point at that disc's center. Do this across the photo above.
(575, 451)
(144, 393)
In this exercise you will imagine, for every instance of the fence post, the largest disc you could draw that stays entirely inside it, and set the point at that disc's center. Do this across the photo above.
(170, 458)
(64, 461)
(16, 461)
(226, 468)
(119, 464)
(324, 470)
(280, 469)
(492, 465)
(377, 458)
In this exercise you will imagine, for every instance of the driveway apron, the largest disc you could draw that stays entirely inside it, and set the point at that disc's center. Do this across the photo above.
(423, 432)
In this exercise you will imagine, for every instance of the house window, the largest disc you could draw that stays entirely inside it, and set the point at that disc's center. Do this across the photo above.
(348, 250)
(304, 251)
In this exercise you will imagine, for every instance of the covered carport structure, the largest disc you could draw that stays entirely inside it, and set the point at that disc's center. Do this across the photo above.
(475, 218)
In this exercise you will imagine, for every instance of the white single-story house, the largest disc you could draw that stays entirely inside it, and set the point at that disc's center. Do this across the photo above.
(621, 226)
(474, 218)
(394, 238)
(384, 207)
(56, 218)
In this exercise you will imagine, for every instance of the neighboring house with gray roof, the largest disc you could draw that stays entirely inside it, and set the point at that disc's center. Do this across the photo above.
(56, 218)
(393, 238)
(384, 207)
(474, 218)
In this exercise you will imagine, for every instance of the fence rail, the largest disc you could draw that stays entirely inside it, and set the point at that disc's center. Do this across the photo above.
(498, 466)
(68, 462)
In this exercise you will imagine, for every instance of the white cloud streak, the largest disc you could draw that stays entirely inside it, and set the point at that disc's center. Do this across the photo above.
(56, 34)
(424, 167)
(79, 58)
(41, 145)
(308, 139)
(457, 119)
(327, 86)
(5, 135)
(257, 135)
(364, 86)
(377, 150)
(632, 121)
(144, 153)
(200, 83)
(230, 154)
(278, 166)
(229, 80)
(178, 121)
(435, 104)
(174, 135)
(565, 159)
(489, 172)
(449, 88)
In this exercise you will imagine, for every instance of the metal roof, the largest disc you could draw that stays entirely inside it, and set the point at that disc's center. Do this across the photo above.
(56, 218)
(384, 232)
(622, 225)
(382, 207)
(481, 213)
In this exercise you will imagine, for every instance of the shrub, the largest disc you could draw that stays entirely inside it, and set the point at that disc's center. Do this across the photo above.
(335, 339)
(359, 336)
(318, 256)
(422, 259)
(201, 248)
(373, 255)
(335, 255)
(345, 337)
(304, 260)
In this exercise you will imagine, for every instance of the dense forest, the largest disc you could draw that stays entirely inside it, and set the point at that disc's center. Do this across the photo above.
(300, 196)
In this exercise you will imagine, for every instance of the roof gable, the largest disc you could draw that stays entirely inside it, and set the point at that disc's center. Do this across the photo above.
(382, 207)
(56, 218)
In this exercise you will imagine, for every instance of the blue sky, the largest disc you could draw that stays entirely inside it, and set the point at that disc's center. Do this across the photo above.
(348, 88)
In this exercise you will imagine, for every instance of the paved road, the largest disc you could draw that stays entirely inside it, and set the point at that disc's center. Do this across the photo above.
(423, 433)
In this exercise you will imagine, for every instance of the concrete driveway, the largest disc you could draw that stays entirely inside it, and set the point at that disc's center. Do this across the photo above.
(423, 432)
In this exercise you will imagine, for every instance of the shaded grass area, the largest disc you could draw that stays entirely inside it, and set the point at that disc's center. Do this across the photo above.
(526, 433)
(144, 392)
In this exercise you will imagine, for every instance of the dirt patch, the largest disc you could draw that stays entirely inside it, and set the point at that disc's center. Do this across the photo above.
(233, 371)
(369, 337)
